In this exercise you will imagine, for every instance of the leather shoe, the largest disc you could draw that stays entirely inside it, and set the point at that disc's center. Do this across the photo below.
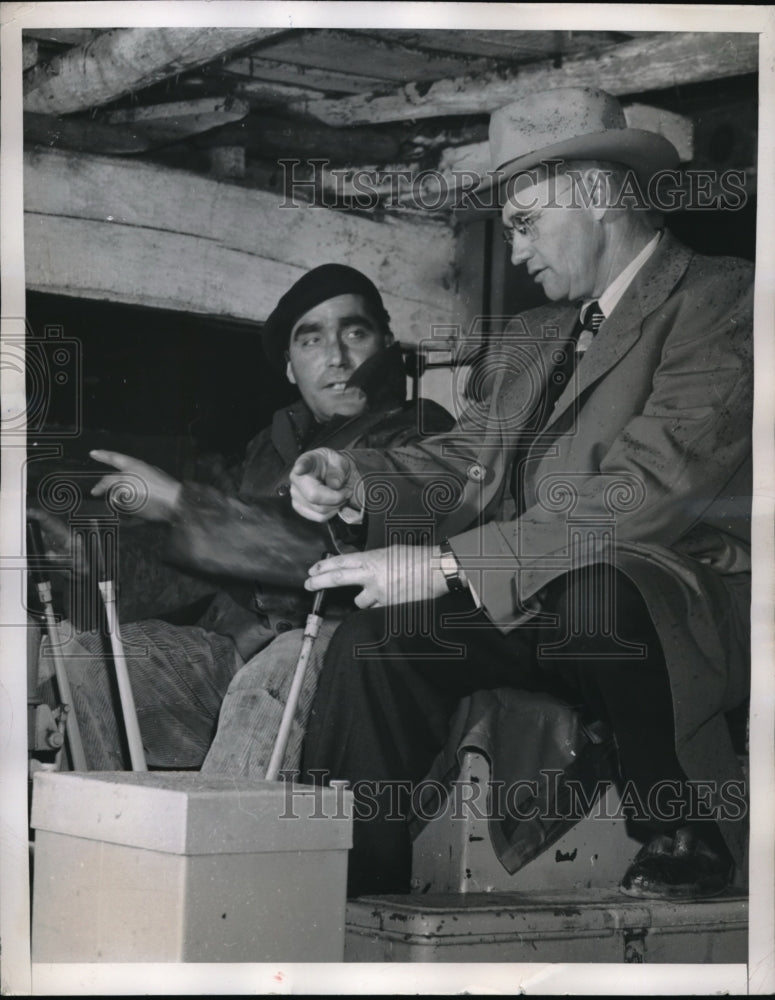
(679, 867)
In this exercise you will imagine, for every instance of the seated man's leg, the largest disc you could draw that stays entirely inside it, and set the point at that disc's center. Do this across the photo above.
(382, 716)
(178, 677)
(253, 707)
(600, 645)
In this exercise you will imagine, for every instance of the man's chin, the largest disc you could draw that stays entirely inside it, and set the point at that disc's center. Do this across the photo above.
(350, 403)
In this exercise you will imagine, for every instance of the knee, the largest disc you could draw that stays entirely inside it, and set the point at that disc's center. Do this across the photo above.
(361, 628)
(272, 664)
(599, 594)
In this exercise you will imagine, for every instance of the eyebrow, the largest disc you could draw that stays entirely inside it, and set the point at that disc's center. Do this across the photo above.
(521, 217)
(354, 318)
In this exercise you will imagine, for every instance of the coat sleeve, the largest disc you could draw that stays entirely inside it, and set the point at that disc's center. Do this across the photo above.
(660, 473)
(226, 536)
(260, 540)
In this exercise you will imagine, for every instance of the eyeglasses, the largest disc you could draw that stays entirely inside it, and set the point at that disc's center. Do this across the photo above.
(523, 226)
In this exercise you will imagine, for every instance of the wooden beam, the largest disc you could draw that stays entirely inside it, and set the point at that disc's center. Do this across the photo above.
(29, 53)
(190, 274)
(227, 161)
(260, 94)
(505, 45)
(642, 64)
(270, 136)
(123, 60)
(63, 36)
(310, 77)
(135, 130)
(678, 129)
(370, 55)
(91, 218)
(164, 123)
(82, 135)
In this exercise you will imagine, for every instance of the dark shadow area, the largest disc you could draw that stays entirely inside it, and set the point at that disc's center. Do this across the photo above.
(165, 386)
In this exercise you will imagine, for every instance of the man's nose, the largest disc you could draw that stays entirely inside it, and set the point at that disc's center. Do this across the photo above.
(520, 249)
(337, 356)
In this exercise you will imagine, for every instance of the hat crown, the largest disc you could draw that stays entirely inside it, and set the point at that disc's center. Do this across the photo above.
(549, 117)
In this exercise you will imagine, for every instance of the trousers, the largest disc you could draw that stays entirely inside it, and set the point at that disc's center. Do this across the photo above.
(386, 694)
(198, 706)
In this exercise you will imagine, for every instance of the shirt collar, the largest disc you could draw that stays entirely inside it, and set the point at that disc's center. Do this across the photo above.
(611, 296)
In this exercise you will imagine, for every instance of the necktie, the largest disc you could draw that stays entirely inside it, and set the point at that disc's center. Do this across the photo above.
(591, 320)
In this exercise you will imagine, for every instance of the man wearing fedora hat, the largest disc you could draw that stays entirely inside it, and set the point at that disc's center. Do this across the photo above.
(597, 547)
(330, 336)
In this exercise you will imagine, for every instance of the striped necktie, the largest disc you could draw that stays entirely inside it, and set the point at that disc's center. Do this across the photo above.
(591, 320)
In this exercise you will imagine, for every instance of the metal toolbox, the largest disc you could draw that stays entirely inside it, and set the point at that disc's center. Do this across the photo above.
(184, 867)
(587, 925)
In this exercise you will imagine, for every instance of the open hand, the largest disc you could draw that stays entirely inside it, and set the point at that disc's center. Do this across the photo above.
(401, 574)
(162, 491)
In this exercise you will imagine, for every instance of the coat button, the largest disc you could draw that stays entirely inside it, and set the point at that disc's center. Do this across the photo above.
(283, 491)
(283, 626)
(476, 472)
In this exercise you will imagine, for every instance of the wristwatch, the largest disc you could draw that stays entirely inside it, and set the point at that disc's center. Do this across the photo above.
(450, 567)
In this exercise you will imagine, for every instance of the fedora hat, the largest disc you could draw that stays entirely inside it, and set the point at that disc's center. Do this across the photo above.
(570, 123)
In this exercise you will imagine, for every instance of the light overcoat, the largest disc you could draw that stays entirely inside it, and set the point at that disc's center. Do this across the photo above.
(644, 464)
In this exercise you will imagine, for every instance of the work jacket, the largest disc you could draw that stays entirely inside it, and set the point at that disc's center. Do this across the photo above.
(224, 533)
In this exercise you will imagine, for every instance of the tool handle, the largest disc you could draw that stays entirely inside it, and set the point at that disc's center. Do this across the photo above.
(131, 725)
(128, 710)
(100, 565)
(36, 548)
(311, 629)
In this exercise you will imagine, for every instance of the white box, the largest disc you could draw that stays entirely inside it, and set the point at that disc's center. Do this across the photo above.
(184, 867)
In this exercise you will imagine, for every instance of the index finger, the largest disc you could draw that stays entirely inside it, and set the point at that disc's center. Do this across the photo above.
(304, 465)
(114, 458)
(348, 561)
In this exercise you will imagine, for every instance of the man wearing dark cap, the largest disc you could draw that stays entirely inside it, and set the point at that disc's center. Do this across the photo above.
(599, 548)
(330, 336)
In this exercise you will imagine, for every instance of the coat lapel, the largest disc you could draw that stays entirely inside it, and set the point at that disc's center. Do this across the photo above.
(529, 366)
(621, 330)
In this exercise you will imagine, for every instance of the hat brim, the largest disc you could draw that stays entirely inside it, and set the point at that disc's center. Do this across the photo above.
(645, 152)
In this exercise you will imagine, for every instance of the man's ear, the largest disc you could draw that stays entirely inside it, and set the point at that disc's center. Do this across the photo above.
(289, 371)
(598, 189)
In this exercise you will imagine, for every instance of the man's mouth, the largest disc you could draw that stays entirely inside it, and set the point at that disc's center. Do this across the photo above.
(336, 386)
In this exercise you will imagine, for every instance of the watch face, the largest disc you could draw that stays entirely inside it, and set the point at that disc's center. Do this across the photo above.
(451, 570)
(448, 564)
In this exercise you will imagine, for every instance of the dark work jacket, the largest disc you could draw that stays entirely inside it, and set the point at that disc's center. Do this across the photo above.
(219, 533)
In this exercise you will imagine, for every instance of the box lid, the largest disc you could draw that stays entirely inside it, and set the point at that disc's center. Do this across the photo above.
(184, 812)
(457, 918)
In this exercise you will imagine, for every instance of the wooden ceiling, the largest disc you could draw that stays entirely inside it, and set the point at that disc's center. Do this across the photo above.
(232, 103)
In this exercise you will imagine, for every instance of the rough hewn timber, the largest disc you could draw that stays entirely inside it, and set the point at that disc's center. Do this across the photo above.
(120, 61)
(136, 232)
(642, 64)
